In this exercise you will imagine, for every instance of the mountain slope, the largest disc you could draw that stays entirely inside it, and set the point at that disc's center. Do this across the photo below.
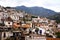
(39, 11)
(55, 17)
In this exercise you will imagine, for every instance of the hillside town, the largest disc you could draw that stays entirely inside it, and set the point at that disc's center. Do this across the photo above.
(18, 25)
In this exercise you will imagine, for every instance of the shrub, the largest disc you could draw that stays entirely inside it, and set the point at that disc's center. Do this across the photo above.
(58, 34)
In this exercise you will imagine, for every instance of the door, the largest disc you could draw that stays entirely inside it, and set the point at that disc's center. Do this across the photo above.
(40, 32)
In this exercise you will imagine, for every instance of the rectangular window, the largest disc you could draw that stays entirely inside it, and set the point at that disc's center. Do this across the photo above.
(4, 35)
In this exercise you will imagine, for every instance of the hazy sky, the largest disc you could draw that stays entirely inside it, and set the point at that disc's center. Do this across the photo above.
(50, 4)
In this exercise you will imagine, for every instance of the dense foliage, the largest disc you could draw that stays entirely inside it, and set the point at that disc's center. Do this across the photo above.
(55, 17)
(58, 34)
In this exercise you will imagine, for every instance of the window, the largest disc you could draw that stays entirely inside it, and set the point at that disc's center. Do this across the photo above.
(50, 25)
(4, 35)
(17, 23)
(8, 22)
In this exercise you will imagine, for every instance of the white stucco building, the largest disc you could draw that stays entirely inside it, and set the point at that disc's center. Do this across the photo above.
(14, 17)
(41, 31)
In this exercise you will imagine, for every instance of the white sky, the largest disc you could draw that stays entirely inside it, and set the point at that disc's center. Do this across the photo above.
(50, 4)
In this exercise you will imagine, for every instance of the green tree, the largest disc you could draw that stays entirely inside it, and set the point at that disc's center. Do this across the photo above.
(58, 34)
(36, 30)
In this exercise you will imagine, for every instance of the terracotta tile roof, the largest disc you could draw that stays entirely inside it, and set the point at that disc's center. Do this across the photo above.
(16, 25)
